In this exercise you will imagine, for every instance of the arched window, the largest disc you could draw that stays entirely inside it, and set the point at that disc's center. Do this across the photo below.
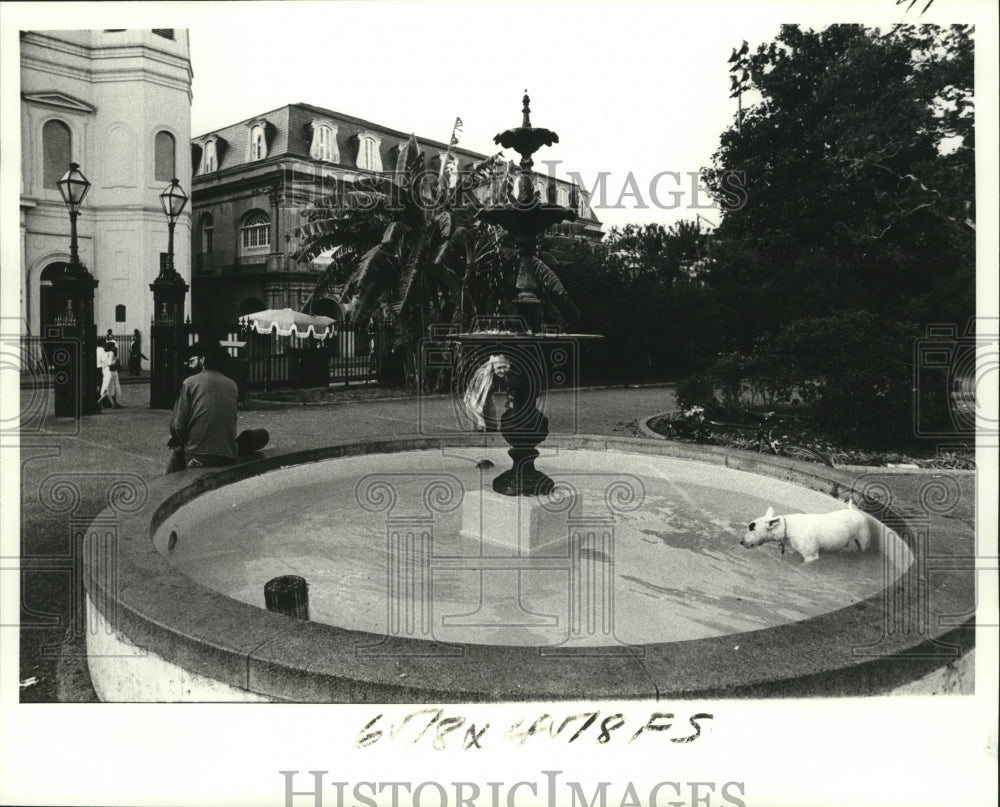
(207, 225)
(324, 143)
(166, 168)
(258, 143)
(325, 307)
(369, 157)
(119, 313)
(57, 152)
(210, 160)
(256, 233)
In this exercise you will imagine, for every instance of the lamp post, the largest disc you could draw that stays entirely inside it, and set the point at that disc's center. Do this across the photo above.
(74, 340)
(173, 199)
(167, 328)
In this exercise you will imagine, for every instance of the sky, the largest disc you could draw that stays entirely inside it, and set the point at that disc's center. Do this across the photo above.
(638, 92)
(629, 92)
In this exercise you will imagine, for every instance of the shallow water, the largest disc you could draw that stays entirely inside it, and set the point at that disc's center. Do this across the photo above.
(648, 551)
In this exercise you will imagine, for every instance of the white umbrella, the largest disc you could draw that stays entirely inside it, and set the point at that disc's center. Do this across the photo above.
(288, 323)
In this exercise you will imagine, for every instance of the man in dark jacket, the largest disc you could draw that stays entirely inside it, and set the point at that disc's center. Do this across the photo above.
(203, 423)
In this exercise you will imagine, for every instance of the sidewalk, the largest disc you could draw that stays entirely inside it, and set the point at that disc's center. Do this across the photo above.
(69, 468)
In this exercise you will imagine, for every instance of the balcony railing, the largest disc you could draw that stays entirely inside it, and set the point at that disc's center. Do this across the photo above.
(263, 262)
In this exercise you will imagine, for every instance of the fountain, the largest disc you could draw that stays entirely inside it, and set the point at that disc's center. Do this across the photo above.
(619, 576)
(526, 346)
(525, 217)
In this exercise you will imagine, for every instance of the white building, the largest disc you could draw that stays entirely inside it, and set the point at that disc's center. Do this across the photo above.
(118, 102)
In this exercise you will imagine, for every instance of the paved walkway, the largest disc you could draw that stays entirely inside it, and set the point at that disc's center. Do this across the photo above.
(69, 468)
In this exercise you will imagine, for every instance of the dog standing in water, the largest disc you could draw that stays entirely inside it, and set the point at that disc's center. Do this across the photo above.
(809, 534)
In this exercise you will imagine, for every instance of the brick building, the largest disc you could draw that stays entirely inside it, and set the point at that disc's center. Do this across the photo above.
(253, 179)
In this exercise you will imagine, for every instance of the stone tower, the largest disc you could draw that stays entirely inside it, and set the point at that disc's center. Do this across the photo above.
(118, 102)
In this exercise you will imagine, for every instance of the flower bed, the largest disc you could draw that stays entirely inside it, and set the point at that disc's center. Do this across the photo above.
(918, 457)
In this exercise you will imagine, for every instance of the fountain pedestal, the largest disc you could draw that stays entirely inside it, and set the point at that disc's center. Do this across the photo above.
(523, 426)
(524, 525)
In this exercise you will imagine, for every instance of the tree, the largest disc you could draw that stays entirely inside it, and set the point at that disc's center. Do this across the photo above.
(857, 166)
(641, 289)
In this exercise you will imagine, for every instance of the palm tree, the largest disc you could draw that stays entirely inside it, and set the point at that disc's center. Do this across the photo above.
(402, 244)
(386, 236)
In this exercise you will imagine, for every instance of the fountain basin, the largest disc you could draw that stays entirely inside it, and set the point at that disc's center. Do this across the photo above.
(163, 635)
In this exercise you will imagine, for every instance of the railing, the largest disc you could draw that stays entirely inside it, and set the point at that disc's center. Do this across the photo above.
(34, 358)
(269, 361)
(123, 342)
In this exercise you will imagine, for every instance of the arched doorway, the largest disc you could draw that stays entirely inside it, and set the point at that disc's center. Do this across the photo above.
(251, 305)
(325, 307)
(47, 312)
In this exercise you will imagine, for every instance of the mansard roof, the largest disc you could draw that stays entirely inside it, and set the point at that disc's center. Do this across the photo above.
(292, 136)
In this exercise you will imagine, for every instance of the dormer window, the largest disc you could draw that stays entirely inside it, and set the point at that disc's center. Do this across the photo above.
(369, 152)
(259, 138)
(258, 142)
(207, 155)
(324, 143)
(210, 158)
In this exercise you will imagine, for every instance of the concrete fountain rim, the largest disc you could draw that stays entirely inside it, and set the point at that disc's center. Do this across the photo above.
(845, 652)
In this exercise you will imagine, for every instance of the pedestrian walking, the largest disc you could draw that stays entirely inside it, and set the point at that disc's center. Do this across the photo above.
(135, 354)
(110, 385)
(102, 362)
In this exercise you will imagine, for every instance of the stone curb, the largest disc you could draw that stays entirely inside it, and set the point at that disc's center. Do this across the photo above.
(266, 655)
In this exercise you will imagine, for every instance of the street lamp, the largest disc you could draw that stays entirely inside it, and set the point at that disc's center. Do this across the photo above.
(74, 380)
(73, 186)
(168, 332)
(173, 199)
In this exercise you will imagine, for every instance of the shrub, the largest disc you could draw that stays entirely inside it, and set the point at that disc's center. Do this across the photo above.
(697, 390)
(850, 371)
(854, 372)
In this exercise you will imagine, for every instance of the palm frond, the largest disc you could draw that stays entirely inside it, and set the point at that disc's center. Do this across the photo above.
(552, 285)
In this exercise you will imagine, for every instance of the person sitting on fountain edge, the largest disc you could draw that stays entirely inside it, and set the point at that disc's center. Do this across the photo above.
(203, 423)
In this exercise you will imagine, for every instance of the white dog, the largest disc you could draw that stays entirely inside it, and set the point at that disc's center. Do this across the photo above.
(810, 534)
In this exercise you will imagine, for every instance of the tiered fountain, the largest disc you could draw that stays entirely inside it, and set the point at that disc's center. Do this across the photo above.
(523, 340)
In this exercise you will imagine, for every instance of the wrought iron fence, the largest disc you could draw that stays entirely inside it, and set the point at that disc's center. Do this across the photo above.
(352, 355)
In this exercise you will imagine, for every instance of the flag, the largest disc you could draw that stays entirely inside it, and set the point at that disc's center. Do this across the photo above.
(456, 132)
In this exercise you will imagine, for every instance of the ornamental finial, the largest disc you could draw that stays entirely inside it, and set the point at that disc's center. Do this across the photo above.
(526, 110)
